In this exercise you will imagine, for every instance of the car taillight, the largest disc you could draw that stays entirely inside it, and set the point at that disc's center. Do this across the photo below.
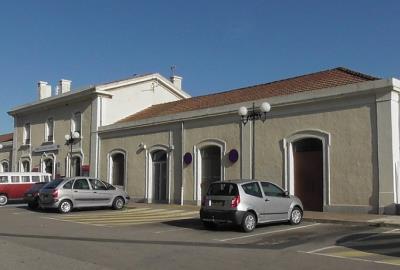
(235, 201)
(55, 193)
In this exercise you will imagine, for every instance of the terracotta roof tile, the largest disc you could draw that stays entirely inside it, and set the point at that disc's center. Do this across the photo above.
(319, 80)
(6, 137)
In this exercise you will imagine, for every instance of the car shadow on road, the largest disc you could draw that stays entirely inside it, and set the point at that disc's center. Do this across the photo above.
(374, 243)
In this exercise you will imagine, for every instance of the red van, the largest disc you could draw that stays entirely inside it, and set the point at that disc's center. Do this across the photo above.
(13, 185)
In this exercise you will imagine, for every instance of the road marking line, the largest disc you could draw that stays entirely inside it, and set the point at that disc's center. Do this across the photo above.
(320, 249)
(84, 223)
(388, 261)
(265, 233)
(174, 230)
(391, 261)
(114, 213)
(393, 231)
(134, 220)
(125, 217)
(351, 253)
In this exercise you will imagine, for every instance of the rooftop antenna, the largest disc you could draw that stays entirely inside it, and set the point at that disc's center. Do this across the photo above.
(173, 68)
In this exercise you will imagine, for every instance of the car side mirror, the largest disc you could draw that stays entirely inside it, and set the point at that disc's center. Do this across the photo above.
(286, 193)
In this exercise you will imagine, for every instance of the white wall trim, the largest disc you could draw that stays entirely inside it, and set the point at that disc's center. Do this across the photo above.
(197, 164)
(325, 137)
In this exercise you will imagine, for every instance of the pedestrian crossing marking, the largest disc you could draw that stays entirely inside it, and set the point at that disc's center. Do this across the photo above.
(135, 216)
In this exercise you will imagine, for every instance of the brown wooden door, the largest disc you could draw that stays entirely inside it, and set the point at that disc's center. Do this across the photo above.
(308, 178)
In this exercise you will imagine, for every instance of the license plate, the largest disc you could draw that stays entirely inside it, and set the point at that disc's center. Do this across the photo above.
(29, 195)
(218, 203)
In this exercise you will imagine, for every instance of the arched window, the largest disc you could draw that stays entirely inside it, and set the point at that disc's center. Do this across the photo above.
(76, 123)
(5, 166)
(49, 130)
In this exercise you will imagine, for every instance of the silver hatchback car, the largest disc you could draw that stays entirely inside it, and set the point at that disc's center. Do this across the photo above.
(79, 192)
(247, 203)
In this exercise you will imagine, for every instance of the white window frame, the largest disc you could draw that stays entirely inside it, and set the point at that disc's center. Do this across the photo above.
(47, 130)
(74, 122)
(27, 134)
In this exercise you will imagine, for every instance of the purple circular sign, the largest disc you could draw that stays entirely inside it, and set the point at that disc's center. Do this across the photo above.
(187, 158)
(233, 155)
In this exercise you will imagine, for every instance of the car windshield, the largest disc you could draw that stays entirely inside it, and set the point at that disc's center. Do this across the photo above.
(223, 189)
(53, 184)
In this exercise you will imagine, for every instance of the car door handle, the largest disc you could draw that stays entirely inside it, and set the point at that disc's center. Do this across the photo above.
(75, 191)
(94, 192)
(267, 200)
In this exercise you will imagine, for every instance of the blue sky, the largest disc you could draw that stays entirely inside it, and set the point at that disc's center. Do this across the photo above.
(215, 45)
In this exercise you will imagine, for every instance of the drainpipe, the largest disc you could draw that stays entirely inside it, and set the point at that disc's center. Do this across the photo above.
(182, 151)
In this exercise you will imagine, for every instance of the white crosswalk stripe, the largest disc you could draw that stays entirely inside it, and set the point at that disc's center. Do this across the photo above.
(135, 216)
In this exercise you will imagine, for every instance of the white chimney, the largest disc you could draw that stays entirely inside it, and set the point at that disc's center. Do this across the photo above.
(44, 90)
(64, 86)
(177, 81)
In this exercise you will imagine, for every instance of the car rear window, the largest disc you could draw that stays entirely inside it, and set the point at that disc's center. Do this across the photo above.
(223, 189)
(53, 184)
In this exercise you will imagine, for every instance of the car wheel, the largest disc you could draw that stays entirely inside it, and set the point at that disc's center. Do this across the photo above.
(3, 199)
(118, 203)
(249, 222)
(65, 206)
(209, 225)
(296, 216)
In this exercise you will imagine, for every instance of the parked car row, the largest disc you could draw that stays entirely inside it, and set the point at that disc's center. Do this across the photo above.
(244, 203)
(37, 190)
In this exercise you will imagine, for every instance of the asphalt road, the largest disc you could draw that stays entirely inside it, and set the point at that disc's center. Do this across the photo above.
(174, 239)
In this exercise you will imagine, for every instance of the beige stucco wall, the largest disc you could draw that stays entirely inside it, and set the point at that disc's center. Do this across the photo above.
(62, 115)
(350, 123)
(205, 131)
(353, 156)
(135, 158)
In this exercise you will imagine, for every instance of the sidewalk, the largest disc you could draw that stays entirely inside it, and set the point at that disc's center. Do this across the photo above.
(321, 217)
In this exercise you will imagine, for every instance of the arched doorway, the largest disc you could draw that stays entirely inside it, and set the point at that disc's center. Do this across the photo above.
(48, 166)
(309, 173)
(118, 169)
(159, 177)
(76, 166)
(210, 170)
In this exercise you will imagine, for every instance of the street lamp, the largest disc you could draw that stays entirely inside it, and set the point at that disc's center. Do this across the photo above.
(71, 139)
(253, 115)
